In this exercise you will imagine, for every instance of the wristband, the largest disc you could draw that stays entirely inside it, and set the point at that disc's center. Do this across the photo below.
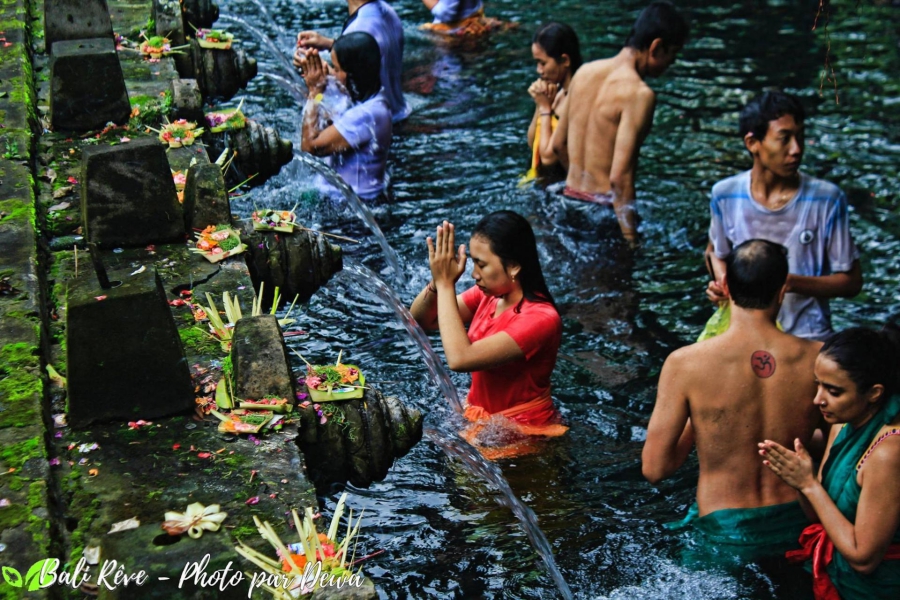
(431, 287)
(546, 114)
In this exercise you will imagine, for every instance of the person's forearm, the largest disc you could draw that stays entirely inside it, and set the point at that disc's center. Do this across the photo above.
(453, 331)
(836, 285)
(545, 150)
(310, 125)
(623, 204)
(430, 4)
(840, 531)
(533, 127)
(424, 308)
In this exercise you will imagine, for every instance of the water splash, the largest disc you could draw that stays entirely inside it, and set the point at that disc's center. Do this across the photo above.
(370, 282)
(298, 91)
(320, 168)
(455, 447)
(274, 50)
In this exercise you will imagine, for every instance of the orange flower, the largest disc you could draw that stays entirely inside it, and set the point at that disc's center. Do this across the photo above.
(299, 560)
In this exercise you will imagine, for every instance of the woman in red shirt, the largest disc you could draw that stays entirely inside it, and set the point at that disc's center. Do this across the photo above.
(514, 329)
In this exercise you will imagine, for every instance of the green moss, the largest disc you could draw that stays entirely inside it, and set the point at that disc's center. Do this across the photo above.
(15, 455)
(197, 341)
(20, 382)
(12, 516)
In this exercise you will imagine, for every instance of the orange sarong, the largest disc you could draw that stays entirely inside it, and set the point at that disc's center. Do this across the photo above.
(818, 547)
(475, 25)
(530, 419)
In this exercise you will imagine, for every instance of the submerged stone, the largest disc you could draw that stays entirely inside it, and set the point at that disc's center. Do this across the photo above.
(87, 88)
(124, 355)
(128, 197)
(76, 20)
(260, 359)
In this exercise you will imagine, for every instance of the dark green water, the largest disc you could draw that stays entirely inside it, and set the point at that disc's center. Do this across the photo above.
(459, 156)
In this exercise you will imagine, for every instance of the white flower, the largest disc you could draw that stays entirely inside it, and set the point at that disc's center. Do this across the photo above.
(194, 520)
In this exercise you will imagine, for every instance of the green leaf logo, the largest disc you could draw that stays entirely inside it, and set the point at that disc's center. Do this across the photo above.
(12, 577)
(33, 578)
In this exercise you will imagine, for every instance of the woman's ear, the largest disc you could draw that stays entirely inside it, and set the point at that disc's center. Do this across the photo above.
(513, 270)
(875, 393)
(565, 61)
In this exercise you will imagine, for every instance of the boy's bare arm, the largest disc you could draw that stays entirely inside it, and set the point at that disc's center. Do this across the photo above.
(634, 125)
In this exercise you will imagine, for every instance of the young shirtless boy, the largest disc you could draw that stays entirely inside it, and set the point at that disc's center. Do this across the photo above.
(610, 111)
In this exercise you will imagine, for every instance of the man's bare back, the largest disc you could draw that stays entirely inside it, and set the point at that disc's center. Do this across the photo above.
(769, 395)
(603, 92)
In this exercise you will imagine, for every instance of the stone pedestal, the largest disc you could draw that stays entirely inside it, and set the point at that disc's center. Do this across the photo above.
(260, 359)
(124, 355)
(76, 20)
(200, 13)
(187, 101)
(87, 88)
(127, 195)
(170, 24)
(205, 197)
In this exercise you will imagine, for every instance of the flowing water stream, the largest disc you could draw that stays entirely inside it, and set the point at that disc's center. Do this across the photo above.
(445, 531)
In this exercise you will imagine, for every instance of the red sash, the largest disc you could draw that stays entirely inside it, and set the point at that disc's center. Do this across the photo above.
(818, 547)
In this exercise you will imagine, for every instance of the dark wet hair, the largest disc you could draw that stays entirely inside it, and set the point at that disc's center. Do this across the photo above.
(867, 356)
(510, 237)
(359, 56)
(557, 39)
(756, 272)
(659, 20)
(766, 107)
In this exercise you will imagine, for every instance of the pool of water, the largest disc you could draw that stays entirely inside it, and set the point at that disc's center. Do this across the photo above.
(460, 155)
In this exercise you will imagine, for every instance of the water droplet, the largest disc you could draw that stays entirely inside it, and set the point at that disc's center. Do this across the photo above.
(190, 426)
(2, 547)
(118, 250)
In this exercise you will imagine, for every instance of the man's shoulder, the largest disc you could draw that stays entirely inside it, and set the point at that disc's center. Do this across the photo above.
(730, 188)
(820, 190)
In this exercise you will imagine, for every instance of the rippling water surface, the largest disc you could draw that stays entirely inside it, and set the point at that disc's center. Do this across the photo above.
(459, 156)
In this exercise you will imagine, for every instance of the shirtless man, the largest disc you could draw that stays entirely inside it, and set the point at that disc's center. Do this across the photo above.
(610, 111)
(751, 382)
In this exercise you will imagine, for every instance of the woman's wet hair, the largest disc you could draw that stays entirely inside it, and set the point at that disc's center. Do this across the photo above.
(867, 356)
(756, 271)
(510, 237)
(557, 39)
(659, 20)
(766, 107)
(359, 56)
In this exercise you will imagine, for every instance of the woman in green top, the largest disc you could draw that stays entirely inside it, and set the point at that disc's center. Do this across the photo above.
(856, 497)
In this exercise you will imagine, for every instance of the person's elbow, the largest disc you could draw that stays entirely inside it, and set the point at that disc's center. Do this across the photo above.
(652, 473)
(865, 565)
(654, 468)
(854, 282)
(458, 364)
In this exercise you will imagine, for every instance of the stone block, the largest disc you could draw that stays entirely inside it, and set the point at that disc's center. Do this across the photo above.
(205, 197)
(128, 197)
(260, 359)
(187, 101)
(125, 359)
(87, 88)
(76, 20)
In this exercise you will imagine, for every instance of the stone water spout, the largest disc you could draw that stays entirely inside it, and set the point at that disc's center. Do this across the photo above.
(261, 152)
(200, 13)
(298, 263)
(221, 73)
(360, 439)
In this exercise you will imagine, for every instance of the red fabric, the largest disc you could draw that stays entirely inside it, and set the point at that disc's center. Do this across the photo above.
(818, 547)
(605, 199)
(537, 330)
(521, 447)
